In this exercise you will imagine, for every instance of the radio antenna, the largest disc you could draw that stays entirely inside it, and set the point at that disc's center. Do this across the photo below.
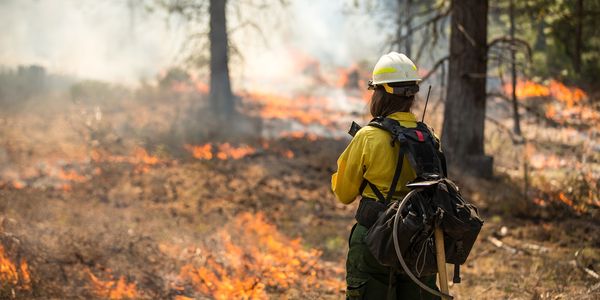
(426, 101)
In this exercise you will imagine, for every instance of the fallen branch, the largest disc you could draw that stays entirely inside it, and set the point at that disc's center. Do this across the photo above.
(594, 288)
(591, 273)
(514, 250)
(498, 243)
(535, 247)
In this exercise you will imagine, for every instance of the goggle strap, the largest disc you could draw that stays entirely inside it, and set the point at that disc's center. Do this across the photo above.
(401, 91)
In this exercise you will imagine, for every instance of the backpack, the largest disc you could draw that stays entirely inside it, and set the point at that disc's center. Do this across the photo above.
(401, 232)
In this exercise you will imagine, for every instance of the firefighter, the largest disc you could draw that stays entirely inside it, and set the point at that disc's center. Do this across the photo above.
(369, 158)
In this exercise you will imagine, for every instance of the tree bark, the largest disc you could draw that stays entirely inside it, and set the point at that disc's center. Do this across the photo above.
(408, 42)
(513, 51)
(464, 113)
(222, 101)
(578, 37)
(404, 27)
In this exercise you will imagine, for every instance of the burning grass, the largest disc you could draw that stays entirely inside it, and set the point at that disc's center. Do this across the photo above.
(137, 201)
(563, 104)
(220, 151)
(113, 289)
(14, 277)
(254, 260)
(559, 165)
(570, 96)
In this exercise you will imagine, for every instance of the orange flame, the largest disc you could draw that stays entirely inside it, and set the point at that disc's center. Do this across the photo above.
(259, 258)
(112, 289)
(203, 152)
(539, 202)
(304, 109)
(568, 95)
(299, 135)
(528, 89)
(555, 89)
(288, 154)
(141, 156)
(564, 199)
(71, 175)
(8, 271)
(18, 184)
(11, 276)
(25, 276)
(227, 151)
(223, 151)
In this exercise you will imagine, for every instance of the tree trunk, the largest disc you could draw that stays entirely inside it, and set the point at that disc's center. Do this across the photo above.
(404, 27)
(578, 37)
(408, 17)
(513, 51)
(222, 101)
(464, 113)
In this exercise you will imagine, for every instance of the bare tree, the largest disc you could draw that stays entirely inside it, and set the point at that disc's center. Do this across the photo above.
(579, 15)
(464, 114)
(222, 101)
(513, 62)
(405, 25)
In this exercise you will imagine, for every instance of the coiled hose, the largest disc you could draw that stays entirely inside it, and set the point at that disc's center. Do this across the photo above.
(399, 253)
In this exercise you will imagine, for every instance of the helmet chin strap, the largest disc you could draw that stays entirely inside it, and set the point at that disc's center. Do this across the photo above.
(402, 90)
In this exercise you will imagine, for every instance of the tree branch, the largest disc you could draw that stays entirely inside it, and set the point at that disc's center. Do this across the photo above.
(528, 109)
(434, 19)
(511, 41)
(435, 67)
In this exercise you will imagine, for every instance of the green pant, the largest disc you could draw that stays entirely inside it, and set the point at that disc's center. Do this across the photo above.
(367, 279)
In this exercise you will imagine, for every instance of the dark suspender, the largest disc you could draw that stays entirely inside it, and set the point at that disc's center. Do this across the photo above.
(395, 179)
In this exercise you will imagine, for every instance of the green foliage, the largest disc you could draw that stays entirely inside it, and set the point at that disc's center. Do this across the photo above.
(554, 24)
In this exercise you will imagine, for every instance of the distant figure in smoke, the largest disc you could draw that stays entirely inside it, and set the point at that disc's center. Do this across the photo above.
(366, 168)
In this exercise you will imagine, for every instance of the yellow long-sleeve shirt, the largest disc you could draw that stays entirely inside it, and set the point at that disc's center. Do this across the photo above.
(370, 156)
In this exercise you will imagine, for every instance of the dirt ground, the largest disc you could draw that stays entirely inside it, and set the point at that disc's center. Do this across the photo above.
(100, 199)
(143, 227)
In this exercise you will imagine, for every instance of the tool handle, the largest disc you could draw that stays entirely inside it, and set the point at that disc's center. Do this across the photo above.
(440, 253)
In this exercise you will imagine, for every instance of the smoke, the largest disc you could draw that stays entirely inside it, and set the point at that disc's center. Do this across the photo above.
(119, 41)
(106, 40)
(330, 34)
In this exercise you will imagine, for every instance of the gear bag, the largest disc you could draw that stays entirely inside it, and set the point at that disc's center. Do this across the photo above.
(433, 199)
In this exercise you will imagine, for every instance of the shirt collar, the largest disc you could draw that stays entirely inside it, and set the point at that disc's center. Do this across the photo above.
(403, 116)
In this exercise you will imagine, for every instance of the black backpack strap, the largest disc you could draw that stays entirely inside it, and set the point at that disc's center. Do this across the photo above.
(394, 184)
(373, 187)
(442, 157)
(389, 125)
(396, 174)
(437, 146)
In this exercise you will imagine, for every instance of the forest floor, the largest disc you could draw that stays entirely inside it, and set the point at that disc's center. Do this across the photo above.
(261, 224)
(87, 214)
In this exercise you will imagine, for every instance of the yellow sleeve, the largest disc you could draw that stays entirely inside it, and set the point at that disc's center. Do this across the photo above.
(352, 164)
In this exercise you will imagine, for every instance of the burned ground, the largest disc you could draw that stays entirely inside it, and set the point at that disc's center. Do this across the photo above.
(109, 200)
(148, 228)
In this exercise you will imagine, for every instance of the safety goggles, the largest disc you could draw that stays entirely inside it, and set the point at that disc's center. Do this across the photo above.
(407, 90)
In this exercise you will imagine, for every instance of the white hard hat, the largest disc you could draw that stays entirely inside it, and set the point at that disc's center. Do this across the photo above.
(394, 67)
